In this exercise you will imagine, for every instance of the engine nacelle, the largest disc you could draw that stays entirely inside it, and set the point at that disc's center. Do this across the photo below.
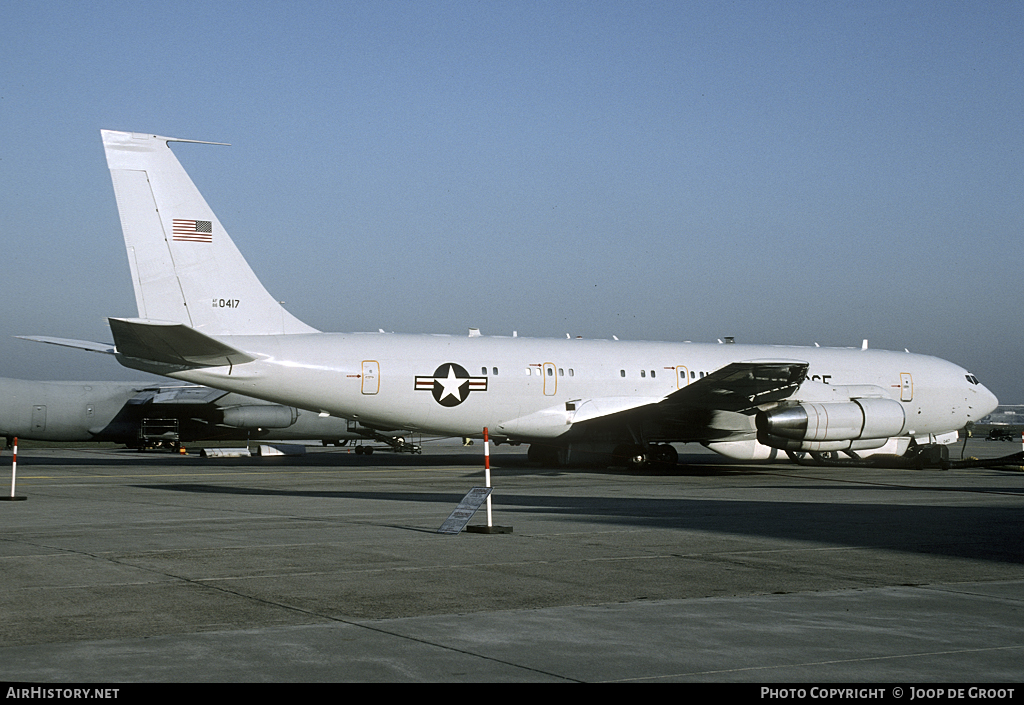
(260, 416)
(745, 450)
(831, 425)
(752, 450)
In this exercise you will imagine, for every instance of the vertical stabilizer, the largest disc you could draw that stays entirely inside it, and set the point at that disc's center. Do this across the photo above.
(185, 268)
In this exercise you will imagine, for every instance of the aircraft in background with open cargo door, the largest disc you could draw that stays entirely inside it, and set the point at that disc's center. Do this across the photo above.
(204, 317)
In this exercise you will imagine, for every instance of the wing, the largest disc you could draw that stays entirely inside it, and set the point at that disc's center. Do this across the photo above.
(719, 405)
(741, 386)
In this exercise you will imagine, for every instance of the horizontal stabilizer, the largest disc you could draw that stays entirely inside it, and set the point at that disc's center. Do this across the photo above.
(107, 348)
(172, 344)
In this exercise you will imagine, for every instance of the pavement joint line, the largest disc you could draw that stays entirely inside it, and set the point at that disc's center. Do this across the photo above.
(863, 659)
(951, 588)
(893, 485)
(310, 613)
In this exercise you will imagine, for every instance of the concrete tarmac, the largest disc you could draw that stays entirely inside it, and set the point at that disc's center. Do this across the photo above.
(124, 567)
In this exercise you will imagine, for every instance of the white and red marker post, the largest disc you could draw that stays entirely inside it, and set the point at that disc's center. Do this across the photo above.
(490, 528)
(14, 473)
(487, 473)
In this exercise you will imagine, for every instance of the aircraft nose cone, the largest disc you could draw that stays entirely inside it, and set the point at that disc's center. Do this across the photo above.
(988, 402)
(982, 402)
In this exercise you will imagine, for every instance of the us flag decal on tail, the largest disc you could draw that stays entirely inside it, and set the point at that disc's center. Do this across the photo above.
(192, 230)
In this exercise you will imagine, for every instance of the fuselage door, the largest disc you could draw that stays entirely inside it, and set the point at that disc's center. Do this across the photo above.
(906, 387)
(550, 379)
(371, 377)
(682, 376)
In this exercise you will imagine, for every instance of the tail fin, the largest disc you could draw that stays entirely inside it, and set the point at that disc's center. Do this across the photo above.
(185, 267)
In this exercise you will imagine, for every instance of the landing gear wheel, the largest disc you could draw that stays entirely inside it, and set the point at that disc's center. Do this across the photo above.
(634, 457)
(665, 453)
(932, 455)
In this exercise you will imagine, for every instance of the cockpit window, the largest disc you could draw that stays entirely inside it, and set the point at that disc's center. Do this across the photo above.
(972, 379)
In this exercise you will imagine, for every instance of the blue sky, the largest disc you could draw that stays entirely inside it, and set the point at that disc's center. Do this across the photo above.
(782, 172)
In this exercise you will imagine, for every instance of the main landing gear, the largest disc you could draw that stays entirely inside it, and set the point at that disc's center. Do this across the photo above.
(629, 455)
(635, 456)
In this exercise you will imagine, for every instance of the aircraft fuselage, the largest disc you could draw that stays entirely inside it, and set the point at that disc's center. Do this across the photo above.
(458, 385)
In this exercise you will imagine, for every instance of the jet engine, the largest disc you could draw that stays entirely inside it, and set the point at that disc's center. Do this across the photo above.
(858, 424)
(260, 416)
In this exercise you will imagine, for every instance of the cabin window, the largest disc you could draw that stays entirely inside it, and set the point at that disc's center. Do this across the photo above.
(570, 372)
(652, 374)
(561, 372)
(551, 372)
(483, 370)
(622, 373)
(643, 373)
(495, 371)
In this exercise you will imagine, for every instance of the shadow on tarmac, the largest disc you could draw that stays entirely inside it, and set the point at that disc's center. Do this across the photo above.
(988, 533)
(514, 462)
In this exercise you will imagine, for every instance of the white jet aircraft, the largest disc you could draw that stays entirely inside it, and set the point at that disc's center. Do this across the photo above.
(205, 318)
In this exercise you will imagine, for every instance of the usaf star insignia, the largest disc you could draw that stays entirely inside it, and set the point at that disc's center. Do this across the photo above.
(451, 384)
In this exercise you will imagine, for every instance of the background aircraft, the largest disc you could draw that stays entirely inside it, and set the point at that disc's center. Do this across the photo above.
(204, 317)
(148, 415)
